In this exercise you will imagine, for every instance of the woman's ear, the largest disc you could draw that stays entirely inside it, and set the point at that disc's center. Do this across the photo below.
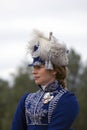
(54, 72)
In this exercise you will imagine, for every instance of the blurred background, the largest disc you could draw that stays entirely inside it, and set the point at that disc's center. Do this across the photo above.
(67, 19)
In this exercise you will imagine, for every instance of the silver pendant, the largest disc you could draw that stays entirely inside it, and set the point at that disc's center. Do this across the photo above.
(47, 97)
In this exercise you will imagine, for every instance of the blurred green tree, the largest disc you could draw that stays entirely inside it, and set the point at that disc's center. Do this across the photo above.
(75, 68)
(4, 89)
(82, 123)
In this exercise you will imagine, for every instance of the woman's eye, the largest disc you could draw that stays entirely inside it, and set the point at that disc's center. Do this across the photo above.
(38, 67)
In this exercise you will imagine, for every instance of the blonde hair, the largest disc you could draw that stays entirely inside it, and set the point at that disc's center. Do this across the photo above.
(61, 75)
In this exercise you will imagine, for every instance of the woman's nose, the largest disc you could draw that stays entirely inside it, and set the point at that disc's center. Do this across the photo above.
(34, 71)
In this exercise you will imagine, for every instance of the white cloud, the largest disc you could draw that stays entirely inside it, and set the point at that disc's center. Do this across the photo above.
(26, 8)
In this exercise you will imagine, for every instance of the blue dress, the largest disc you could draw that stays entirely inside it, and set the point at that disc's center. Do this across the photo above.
(51, 109)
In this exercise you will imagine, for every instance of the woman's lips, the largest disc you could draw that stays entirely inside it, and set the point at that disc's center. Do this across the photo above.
(36, 78)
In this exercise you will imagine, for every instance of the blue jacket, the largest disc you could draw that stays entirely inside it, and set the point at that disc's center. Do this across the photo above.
(51, 109)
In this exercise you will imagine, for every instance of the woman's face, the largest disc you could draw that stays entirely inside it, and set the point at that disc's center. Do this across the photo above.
(43, 76)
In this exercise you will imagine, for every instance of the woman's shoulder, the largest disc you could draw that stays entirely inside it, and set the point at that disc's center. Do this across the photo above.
(22, 100)
(68, 97)
(25, 97)
(69, 101)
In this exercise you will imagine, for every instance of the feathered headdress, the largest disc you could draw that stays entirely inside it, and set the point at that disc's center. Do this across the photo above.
(47, 51)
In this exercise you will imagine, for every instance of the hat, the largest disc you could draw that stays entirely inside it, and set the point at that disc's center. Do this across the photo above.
(47, 51)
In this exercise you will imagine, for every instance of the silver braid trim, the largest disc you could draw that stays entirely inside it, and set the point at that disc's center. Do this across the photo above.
(53, 104)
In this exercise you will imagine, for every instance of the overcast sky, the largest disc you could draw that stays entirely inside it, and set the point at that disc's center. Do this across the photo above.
(67, 19)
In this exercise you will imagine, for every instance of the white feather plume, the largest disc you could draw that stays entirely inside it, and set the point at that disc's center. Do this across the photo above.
(57, 51)
(44, 44)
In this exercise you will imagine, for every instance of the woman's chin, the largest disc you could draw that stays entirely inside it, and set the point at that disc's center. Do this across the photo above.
(37, 82)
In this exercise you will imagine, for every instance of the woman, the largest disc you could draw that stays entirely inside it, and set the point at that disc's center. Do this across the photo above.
(52, 107)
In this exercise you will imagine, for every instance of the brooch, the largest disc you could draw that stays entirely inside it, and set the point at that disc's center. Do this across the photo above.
(47, 97)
